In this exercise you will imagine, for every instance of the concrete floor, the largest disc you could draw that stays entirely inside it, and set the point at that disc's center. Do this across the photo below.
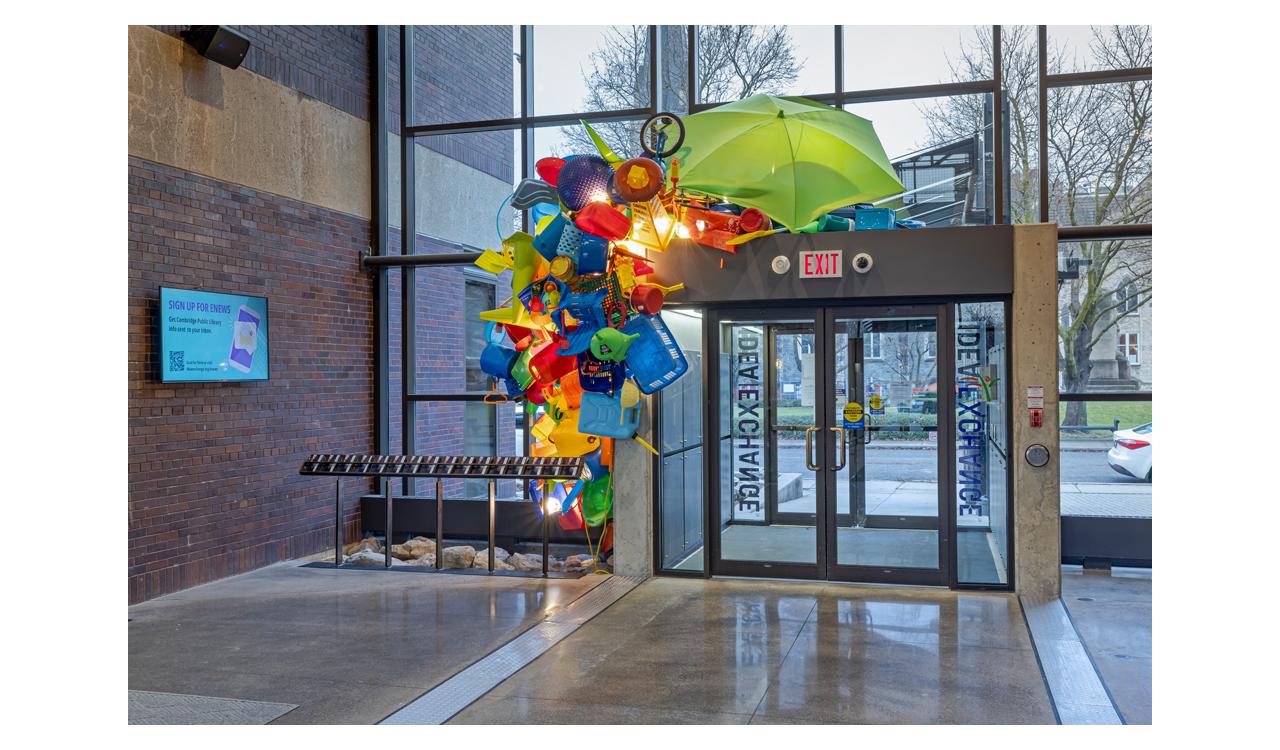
(731, 651)
(346, 646)
(1111, 610)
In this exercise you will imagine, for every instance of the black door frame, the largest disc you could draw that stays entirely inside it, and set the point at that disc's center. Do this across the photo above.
(826, 567)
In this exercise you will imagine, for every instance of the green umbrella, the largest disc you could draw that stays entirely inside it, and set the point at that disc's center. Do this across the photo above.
(792, 158)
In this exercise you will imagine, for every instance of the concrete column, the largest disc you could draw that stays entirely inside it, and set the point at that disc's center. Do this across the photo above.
(1036, 512)
(633, 501)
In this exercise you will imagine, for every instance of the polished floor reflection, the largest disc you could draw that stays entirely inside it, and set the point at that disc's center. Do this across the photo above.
(731, 651)
(345, 646)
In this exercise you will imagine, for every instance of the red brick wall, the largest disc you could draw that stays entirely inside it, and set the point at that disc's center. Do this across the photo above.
(213, 482)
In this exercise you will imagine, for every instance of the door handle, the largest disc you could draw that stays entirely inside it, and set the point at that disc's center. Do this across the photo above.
(841, 453)
(808, 449)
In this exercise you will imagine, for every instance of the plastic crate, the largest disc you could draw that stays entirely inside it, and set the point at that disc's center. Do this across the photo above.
(655, 358)
(874, 218)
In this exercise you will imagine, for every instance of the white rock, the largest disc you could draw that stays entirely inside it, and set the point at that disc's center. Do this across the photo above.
(369, 557)
(459, 557)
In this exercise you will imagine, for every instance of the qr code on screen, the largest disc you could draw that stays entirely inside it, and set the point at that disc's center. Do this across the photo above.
(177, 361)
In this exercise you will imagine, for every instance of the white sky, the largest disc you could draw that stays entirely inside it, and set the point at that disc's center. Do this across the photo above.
(875, 57)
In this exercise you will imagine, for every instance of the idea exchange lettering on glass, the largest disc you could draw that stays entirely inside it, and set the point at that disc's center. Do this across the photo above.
(747, 414)
(972, 395)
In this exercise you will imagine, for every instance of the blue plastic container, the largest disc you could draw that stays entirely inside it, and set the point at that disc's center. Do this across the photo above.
(874, 218)
(547, 240)
(589, 253)
(655, 358)
(602, 414)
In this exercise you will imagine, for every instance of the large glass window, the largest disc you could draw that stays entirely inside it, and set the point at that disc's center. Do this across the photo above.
(735, 62)
(680, 503)
(982, 444)
(1088, 48)
(465, 73)
(1104, 297)
(1100, 154)
(590, 68)
(941, 150)
(881, 57)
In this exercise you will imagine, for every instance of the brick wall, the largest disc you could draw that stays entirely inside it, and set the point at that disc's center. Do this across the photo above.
(213, 482)
(329, 63)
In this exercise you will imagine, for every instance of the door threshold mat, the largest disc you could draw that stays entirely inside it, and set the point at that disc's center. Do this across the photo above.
(442, 702)
(175, 708)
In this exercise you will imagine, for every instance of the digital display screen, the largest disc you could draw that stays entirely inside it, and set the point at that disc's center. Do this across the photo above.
(210, 337)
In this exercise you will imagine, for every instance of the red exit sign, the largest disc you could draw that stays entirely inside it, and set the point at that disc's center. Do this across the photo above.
(821, 264)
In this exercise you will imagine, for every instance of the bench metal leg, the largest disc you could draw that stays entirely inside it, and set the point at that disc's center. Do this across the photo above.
(386, 489)
(439, 525)
(546, 558)
(493, 490)
(337, 524)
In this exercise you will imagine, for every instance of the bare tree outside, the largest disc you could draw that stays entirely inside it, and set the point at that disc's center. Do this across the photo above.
(1099, 140)
(733, 62)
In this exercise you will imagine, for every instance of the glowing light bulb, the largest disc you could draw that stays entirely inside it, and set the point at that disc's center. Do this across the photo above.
(551, 506)
(682, 231)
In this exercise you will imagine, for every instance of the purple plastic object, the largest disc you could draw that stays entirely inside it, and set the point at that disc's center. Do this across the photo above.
(582, 179)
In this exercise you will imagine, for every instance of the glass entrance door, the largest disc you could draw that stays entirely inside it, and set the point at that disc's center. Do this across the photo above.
(888, 512)
(828, 461)
(770, 490)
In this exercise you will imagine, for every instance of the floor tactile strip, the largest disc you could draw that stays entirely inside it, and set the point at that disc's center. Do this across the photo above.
(1075, 687)
(439, 704)
(176, 708)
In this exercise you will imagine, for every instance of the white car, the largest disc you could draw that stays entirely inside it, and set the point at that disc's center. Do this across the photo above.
(1130, 452)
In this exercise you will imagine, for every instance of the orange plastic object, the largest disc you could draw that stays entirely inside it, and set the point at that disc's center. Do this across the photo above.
(603, 220)
(637, 180)
(714, 229)
(549, 169)
(606, 452)
(571, 389)
(606, 543)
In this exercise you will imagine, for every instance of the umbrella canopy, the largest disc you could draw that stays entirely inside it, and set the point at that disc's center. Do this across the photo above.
(792, 158)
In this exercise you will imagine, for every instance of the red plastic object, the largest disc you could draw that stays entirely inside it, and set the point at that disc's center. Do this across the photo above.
(603, 220)
(713, 229)
(548, 366)
(647, 298)
(571, 520)
(637, 180)
(752, 220)
(548, 168)
(640, 267)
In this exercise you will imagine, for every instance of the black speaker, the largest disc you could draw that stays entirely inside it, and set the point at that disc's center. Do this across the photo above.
(218, 43)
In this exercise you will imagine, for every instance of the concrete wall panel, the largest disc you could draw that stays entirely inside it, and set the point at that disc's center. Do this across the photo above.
(238, 127)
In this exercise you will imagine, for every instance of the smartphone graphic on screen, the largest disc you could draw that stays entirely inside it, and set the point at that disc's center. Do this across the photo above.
(244, 339)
